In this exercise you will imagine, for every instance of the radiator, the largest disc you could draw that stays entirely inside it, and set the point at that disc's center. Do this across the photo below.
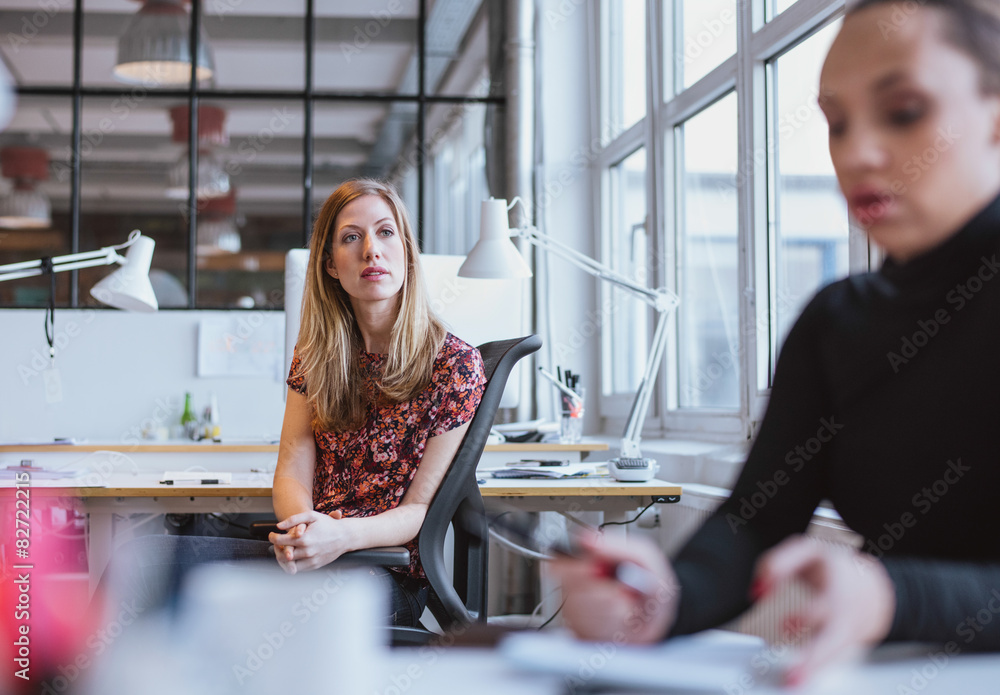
(679, 521)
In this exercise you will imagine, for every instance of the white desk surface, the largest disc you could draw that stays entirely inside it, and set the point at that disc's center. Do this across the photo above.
(259, 485)
(439, 671)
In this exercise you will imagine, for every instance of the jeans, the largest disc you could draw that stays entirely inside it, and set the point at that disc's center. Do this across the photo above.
(150, 569)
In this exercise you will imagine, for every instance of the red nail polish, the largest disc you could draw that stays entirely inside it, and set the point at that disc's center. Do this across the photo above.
(794, 676)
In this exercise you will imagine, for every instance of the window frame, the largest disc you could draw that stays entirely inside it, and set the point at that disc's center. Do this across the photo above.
(307, 97)
(760, 41)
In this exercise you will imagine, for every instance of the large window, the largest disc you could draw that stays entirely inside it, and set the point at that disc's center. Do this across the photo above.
(708, 318)
(742, 216)
(290, 99)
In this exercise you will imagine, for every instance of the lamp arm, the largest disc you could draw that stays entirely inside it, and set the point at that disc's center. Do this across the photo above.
(653, 297)
(637, 415)
(661, 299)
(73, 261)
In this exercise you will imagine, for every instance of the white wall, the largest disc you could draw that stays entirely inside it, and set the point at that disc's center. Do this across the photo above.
(120, 372)
(564, 193)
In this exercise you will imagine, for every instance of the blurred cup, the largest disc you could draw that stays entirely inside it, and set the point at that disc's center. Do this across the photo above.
(571, 418)
(263, 631)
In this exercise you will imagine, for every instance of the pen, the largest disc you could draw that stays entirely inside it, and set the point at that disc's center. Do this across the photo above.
(568, 391)
(203, 481)
(628, 573)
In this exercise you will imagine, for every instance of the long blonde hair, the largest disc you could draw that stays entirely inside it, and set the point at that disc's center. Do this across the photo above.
(330, 340)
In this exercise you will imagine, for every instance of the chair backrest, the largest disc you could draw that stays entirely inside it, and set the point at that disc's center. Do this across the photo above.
(461, 599)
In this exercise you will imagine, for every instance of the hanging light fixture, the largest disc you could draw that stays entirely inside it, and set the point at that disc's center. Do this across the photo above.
(155, 47)
(25, 207)
(217, 231)
(213, 181)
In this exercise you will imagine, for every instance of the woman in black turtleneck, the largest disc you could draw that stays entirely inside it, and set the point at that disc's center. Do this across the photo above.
(886, 396)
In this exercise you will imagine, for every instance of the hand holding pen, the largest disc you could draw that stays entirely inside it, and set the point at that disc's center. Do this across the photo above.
(601, 583)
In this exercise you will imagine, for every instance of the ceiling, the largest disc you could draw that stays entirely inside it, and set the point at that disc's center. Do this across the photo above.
(258, 45)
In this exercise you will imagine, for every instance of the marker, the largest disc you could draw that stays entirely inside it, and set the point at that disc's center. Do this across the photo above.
(568, 391)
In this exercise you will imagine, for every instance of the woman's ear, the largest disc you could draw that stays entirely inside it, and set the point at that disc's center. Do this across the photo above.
(331, 269)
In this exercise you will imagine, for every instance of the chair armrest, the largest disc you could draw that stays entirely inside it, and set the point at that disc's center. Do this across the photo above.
(390, 556)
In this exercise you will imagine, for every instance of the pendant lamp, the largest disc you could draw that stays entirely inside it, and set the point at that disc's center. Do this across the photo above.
(155, 48)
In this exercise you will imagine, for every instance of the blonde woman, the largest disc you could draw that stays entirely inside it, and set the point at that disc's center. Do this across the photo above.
(380, 395)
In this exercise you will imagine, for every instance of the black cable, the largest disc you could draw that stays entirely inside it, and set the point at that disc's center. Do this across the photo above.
(622, 523)
(50, 310)
(228, 522)
(552, 617)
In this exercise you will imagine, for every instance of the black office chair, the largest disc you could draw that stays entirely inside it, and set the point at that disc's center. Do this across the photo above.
(459, 599)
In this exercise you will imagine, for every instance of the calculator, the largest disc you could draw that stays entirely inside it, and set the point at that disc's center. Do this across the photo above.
(632, 470)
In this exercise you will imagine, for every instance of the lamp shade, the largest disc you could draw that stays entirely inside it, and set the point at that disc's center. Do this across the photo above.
(155, 48)
(128, 287)
(494, 256)
(213, 181)
(217, 231)
(25, 207)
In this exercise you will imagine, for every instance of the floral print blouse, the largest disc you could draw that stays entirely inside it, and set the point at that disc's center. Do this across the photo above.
(367, 471)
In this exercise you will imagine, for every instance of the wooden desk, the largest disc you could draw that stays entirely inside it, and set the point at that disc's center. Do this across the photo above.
(126, 495)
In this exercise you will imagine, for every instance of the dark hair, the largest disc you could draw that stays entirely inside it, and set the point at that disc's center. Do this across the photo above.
(973, 27)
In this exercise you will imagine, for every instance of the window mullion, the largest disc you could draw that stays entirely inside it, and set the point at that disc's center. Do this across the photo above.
(662, 260)
(752, 203)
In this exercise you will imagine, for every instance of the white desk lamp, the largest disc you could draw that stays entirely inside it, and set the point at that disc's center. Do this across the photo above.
(127, 288)
(494, 256)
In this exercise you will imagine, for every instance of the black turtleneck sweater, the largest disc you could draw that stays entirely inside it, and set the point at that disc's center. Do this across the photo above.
(886, 401)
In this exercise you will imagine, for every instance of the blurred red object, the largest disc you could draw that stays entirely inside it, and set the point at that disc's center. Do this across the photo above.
(47, 612)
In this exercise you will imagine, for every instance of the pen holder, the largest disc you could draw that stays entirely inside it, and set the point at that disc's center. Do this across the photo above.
(571, 418)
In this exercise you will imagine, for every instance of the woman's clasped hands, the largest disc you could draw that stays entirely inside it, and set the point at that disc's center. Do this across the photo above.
(311, 540)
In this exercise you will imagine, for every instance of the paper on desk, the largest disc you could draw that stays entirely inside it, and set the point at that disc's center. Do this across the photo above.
(10, 472)
(571, 470)
(712, 661)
